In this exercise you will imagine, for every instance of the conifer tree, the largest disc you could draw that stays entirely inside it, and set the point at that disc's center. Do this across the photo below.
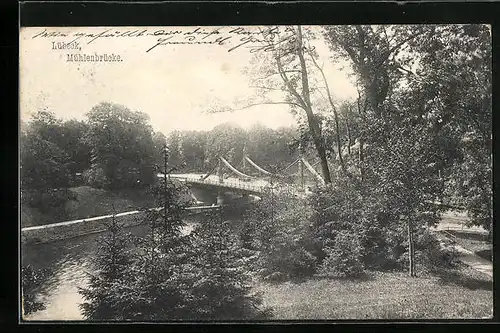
(104, 296)
(160, 287)
(31, 280)
(222, 289)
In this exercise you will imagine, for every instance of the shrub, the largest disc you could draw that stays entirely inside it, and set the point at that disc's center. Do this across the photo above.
(96, 177)
(48, 204)
(430, 253)
(336, 208)
(31, 280)
(279, 227)
(436, 254)
(374, 218)
(343, 257)
(286, 261)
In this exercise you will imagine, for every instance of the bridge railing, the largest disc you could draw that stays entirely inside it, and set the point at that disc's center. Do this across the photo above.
(238, 184)
(229, 183)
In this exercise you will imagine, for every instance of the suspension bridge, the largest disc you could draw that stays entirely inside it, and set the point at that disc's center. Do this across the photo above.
(226, 177)
(220, 180)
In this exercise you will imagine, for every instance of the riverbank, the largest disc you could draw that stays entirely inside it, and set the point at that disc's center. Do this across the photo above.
(65, 230)
(86, 202)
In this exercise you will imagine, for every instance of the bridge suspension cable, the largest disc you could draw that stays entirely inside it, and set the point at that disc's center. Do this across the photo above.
(252, 163)
(233, 169)
(209, 173)
(289, 166)
(308, 166)
(312, 170)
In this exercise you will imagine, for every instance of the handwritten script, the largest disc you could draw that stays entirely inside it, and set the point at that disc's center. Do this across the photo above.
(252, 39)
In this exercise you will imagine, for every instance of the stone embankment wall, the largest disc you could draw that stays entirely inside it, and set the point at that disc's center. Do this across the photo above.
(75, 228)
(70, 229)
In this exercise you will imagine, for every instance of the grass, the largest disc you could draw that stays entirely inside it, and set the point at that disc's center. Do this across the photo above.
(446, 294)
(94, 202)
(89, 202)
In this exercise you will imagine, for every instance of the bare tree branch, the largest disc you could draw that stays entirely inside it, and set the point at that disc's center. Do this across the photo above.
(397, 46)
(268, 103)
(336, 116)
(277, 73)
(285, 78)
(266, 88)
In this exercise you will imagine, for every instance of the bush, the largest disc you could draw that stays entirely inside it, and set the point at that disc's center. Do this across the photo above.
(32, 279)
(48, 205)
(343, 257)
(382, 241)
(429, 253)
(336, 208)
(286, 261)
(279, 228)
(96, 177)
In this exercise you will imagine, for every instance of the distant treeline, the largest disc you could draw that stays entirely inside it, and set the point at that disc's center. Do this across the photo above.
(196, 151)
(115, 148)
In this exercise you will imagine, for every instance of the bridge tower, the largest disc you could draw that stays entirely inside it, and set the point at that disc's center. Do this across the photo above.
(244, 159)
(301, 167)
(220, 172)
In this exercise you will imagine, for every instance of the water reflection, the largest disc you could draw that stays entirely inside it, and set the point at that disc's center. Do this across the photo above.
(67, 262)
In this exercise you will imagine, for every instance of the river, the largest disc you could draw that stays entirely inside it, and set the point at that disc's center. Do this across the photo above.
(67, 262)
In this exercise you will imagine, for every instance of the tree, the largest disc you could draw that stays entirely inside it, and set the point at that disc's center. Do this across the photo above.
(147, 278)
(222, 290)
(160, 290)
(270, 148)
(291, 68)
(74, 145)
(122, 146)
(454, 77)
(105, 297)
(175, 146)
(226, 140)
(398, 164)
(31, 280)
(45, 175)
(194, 149)
(44, 164)
(261, 145)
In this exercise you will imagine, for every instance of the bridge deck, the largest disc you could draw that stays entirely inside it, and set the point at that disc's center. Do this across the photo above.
(254, 185)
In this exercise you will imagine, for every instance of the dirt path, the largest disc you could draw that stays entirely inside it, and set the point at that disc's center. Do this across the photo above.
(475, 261)
(468, 257)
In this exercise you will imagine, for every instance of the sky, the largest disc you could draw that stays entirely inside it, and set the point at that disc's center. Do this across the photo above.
(175, 84)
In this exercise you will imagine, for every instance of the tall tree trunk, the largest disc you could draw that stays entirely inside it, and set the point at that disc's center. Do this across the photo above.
(301, 172)
(411, 248)
(324, 165)
(349, 138)
(339, 144)
(361, 158)
(312, 121)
